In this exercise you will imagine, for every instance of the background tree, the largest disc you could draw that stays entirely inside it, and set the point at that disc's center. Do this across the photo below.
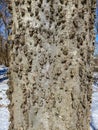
(5, 18)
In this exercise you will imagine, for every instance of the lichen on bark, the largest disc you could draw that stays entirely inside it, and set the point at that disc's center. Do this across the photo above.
(51, 64)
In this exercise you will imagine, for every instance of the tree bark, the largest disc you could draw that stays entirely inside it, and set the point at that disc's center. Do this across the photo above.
(51, 64)
(4, 50)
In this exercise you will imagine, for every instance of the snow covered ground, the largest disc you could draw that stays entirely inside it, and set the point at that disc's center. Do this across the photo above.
(94, 109)
(4, 113)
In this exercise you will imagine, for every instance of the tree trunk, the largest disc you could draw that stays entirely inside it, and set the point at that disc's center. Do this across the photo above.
(51, 64)
(4, 50)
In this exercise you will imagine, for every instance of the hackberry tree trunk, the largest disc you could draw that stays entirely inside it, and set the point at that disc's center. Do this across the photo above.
(51, 64)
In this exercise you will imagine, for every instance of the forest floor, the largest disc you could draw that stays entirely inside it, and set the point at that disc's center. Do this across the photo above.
(4, 102)
(94, 109)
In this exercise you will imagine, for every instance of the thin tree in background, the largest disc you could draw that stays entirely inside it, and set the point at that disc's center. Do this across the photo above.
(5, 18)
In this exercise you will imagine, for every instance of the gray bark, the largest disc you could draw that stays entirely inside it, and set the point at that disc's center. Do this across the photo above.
(51, 64)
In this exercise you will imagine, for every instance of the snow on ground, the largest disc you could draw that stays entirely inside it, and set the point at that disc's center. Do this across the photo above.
(4, 102)
(94, 109)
